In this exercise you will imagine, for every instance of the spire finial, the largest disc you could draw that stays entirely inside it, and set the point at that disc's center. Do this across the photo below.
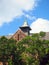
(25, 23)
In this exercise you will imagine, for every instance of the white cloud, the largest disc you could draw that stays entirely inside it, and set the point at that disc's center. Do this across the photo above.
(30, 17)
(10, 33)
(12, 8)
(40, 25)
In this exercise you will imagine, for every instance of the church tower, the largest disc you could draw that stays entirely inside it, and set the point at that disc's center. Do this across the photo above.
(25, 28)
(22, 32)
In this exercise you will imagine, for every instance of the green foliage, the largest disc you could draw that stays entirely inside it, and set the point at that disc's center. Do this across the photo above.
(28, 51)
(7, 48)
(42, 34)
(33, 49)
(10, 62)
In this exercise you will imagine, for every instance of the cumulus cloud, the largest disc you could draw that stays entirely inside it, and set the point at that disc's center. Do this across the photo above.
(40, 25)
(9, 9)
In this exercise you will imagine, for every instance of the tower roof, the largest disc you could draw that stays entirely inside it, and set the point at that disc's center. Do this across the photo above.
(25, 25)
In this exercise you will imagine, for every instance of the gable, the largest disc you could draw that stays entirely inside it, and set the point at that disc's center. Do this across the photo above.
(19, 35)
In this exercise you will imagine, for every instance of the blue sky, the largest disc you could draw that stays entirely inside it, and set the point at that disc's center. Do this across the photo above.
(14, 13)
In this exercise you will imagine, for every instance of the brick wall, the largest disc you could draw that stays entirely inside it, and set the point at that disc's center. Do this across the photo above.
(19, 35)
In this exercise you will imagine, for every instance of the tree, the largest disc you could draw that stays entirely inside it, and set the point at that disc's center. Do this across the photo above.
(7, 49)
(29, 51)
(42, 34)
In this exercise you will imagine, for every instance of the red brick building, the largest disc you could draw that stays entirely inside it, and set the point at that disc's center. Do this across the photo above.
(23, 31)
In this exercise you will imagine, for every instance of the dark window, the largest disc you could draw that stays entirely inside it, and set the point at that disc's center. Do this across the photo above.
(18, 36)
